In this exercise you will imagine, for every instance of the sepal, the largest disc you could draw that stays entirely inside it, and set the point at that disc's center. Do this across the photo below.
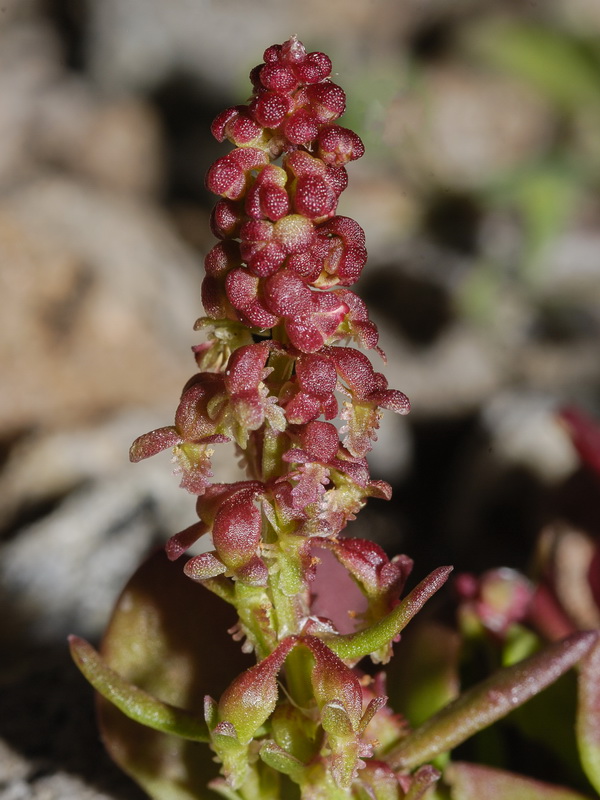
(279, 759)
(421, 782)
(354, 646)
(377, 781)
(380, 579)
(369, 392)
(340, 699)
(149, 444)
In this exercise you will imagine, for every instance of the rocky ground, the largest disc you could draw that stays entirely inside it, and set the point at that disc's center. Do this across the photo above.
(481, 207)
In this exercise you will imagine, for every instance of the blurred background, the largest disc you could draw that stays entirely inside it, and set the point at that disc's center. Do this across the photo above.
(480, 198)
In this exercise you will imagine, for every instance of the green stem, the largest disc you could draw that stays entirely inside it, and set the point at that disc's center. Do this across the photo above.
(297, 672)
(255, 612)
(274, 445)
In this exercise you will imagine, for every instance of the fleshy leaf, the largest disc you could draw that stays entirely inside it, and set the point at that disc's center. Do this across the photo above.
(588, 716)
(167, 636)
(472, 782)
(279, 759)
(354, 646)
(423, 678)
(132, 701)
(149, 444)
(488, 701)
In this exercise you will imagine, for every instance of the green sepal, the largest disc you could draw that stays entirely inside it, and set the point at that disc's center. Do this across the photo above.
(134, 702)
(278, 759)
(354, 646)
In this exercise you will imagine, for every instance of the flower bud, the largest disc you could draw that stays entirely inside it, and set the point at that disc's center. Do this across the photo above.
(300, 127)
(269, 109)
(336, 145)
(327, 101)
(237, 530)
(314, 68)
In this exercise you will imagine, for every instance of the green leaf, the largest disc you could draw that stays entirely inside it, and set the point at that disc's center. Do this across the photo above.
(354, 646)
(473, 782)
(168, 637)
(423, 677)
(489, 701)
(547, 722)
(557, 66)
(132, 701)
(588, 716)
(545, 197)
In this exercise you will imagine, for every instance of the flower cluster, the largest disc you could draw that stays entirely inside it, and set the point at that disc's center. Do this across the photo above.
(282, 248)
(281, 320)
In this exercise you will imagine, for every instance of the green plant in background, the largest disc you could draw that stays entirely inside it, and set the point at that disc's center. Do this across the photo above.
(564, 71)
(294, 711)
(493, 116)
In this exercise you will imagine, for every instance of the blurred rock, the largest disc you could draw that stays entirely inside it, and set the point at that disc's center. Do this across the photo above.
(58, 786)
(525, 431)
(14, 770)
(462, 129)
(29, 65)
(113, 143)
(88, 547)
(581, 16)
(49, 117)
(138, 43)
(98, 302)
(553, 367)
(452, 376)
(106, 514)
(386, 208)
(571, 268)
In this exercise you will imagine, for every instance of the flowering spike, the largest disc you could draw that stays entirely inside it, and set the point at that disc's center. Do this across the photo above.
(284, 338)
